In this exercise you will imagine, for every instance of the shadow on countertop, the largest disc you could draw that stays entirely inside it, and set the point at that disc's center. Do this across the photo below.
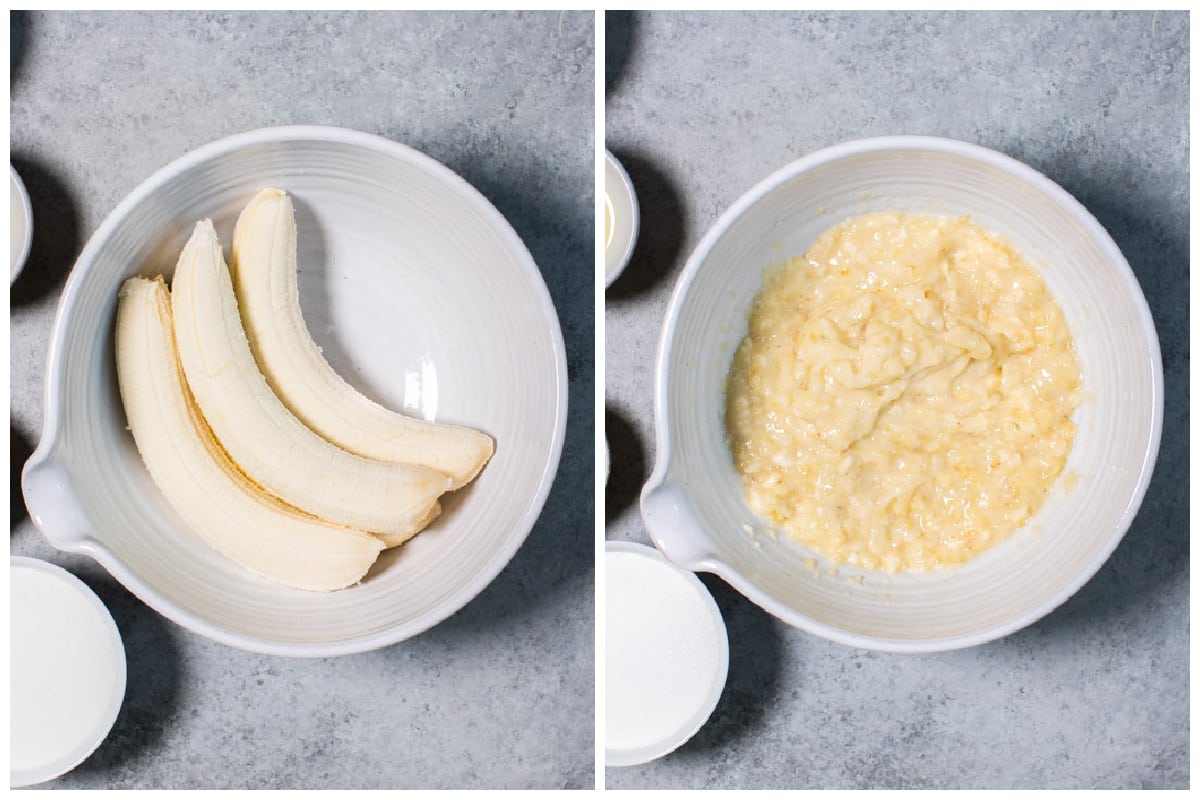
(56, 234)
(19, 23)
(628, 469)
(620, 33)
(19, 451)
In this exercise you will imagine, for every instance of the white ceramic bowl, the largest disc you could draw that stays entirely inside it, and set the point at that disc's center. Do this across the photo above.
(666, 654)
(693, 504)
(621, 205)
(420, 294)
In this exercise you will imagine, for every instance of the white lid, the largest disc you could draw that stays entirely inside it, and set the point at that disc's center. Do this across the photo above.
(68, 671)
(666, 654)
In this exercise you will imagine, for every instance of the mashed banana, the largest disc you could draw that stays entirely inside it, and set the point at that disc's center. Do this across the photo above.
(903, 399)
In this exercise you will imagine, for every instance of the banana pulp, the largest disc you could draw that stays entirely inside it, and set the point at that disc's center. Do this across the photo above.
(293, 474)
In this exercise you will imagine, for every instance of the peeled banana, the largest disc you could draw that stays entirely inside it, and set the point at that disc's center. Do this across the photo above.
(274, 448)
(263, 265)
(193, 471)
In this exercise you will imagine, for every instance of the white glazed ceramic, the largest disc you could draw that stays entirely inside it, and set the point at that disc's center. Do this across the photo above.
(706, 625)
(20, 226)
(67, 671)
(622, 203)
(420, 294)
(693, 504)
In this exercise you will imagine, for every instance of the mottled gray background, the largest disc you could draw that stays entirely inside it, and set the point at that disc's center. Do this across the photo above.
(700, 107)
(501, 694)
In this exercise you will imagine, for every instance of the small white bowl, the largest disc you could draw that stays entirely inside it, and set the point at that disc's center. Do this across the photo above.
(67, 671)
(622, 218)
(418, 291)
(20, 224)
(667, 654)
(693, 504)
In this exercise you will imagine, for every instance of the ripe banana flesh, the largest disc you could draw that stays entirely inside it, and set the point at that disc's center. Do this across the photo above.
(206, 488)
(274, 448)
(263, 265)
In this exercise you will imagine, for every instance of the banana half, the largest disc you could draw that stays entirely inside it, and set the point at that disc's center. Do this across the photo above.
(274, 448)
(226, 508)
(263, 266)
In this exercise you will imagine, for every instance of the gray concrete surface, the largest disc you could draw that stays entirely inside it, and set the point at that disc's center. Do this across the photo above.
(500, 695)
(701, 106)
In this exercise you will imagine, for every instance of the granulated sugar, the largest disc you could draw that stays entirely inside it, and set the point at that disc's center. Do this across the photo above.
(666, 655)
(67, 671)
